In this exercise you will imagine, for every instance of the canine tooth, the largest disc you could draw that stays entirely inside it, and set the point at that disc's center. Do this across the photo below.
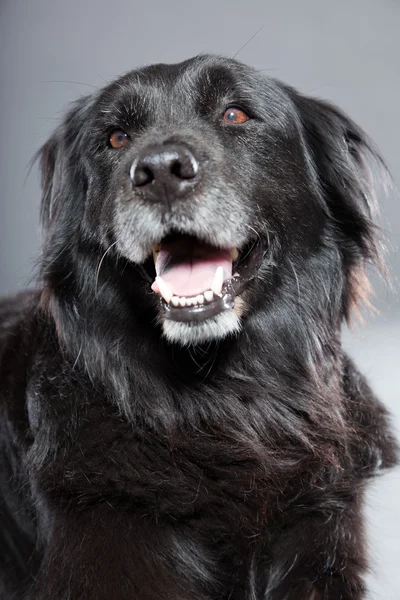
(218, 280)
(182, 301)
(165, 289)
(209, 295)
(156, 250)
(200, 299)
(175, 300)
(234, 253)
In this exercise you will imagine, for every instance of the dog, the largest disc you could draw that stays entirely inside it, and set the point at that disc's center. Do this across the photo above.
(179, 419)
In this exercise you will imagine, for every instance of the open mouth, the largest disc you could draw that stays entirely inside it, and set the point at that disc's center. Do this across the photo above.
(197, 281)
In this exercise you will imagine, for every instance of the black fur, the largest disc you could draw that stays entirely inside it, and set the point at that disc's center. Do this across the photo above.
(134, 468)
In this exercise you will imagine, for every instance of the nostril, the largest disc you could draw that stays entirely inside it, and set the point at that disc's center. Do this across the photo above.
(185, 167)
(141, 174)
(176, 168)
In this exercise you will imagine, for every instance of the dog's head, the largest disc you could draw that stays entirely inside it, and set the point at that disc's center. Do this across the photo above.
(212, 192)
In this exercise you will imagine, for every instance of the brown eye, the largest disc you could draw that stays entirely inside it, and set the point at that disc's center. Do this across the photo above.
(235, 116)
(118, 138)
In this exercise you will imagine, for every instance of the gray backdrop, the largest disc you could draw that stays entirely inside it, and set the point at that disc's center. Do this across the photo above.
(347, 51)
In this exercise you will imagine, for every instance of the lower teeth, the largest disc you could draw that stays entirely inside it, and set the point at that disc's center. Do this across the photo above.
(220, 303)
(182, 301)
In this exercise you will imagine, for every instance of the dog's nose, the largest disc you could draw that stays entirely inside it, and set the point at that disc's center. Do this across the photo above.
(169, 169)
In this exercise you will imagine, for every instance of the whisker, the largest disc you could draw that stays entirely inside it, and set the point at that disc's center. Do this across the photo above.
(101, 77)
(248, 41)
(100, 263)
(297, 279)
(122, 233)
(254, 231)
(67, 81)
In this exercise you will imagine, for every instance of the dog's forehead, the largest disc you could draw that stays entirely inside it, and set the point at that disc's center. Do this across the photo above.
(200, 73)
(200, 78)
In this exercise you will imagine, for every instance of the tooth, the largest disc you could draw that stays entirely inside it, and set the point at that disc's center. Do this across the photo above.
(234, 253)
(182, 301)
(209, 295)
(165, 289)
(156, 250)
(194, 301)
(218, 280)
(175, 300)
(200, 299)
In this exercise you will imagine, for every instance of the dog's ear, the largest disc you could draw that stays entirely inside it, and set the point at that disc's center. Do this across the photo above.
(48, 156)
(61, 177)
(350, 172)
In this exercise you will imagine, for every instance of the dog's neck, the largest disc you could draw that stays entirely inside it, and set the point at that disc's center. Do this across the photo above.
(142, 374)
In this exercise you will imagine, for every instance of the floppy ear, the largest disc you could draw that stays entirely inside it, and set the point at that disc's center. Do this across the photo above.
(48, 156)
(63, 195)
(347, 166)
(61, 167)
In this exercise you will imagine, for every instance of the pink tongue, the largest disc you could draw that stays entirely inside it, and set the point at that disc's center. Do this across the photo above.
(189, 267)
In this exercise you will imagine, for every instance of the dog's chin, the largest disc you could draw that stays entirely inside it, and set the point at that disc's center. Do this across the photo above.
(222, 325)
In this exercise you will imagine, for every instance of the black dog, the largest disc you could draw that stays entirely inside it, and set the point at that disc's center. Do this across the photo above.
(179, 421)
